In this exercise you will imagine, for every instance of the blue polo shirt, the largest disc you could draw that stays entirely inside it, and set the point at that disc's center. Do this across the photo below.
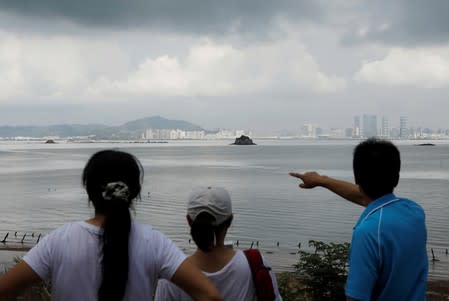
(388, 258)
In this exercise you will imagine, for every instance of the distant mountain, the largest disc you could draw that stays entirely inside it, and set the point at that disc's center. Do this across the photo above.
(130, 130)
(158, 122)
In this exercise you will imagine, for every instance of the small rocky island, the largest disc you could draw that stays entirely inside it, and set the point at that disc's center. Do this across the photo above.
(243, 140)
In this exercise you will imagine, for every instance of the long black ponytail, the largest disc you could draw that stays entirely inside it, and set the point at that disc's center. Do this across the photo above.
(113, 180)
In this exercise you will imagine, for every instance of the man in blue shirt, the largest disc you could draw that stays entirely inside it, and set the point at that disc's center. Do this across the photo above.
(388, 258)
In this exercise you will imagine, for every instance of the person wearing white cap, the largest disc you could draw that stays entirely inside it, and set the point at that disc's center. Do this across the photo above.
(209, 214)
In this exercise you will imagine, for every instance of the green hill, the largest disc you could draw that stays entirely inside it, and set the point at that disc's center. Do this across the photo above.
(130, 130)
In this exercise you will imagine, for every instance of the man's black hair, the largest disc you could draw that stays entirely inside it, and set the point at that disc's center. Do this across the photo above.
(376, 167)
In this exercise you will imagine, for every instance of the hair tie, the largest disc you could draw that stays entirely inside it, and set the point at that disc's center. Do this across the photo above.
(116, 191)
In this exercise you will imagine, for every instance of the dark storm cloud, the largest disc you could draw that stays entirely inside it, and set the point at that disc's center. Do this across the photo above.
(402, 23)
(196, 16)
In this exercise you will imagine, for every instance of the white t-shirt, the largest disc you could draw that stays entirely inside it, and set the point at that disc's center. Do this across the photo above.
(70, 257)
(234, 281)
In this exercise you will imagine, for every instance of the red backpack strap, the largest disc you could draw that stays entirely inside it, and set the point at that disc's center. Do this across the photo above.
(261, 275)
(254, 259)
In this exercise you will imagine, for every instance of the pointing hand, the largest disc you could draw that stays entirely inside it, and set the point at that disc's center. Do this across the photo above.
(310, 179)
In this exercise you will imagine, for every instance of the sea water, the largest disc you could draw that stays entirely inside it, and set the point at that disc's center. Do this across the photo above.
(40, 187)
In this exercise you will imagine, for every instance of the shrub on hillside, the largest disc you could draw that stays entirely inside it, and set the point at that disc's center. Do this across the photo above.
(290, 286)
(324, 270)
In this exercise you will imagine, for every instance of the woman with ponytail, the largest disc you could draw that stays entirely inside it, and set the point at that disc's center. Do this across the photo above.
(108, 257)
(209, 215)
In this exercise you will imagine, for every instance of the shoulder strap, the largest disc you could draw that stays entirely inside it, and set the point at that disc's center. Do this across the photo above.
(254, 259)
(261, 276)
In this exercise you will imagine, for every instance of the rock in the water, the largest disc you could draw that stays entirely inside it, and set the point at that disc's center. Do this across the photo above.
(50, 141)
(425, 144)
(243, 140)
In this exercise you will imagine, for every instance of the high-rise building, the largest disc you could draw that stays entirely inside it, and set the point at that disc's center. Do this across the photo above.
(403, 132)
(307, 130)
(394, 133)
(385, 129)
(356, 131)
(369, 125)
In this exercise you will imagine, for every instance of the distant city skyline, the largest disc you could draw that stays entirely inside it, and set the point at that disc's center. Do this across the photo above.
(159, 128)
(361, 126)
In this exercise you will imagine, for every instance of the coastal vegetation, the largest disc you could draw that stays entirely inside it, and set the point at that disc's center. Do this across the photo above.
(321, 273)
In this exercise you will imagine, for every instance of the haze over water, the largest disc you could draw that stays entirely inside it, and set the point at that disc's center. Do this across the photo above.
(41, 189)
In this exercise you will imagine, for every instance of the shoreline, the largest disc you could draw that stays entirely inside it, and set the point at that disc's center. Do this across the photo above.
(437, 288)
(435, 281)
(9, 252)
(15, 249)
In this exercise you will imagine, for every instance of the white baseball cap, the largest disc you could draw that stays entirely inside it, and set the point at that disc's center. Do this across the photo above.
(213, 200)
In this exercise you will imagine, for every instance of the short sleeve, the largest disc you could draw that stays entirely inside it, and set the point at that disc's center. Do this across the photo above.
(39, 258)
(169, 256)
(363, 265)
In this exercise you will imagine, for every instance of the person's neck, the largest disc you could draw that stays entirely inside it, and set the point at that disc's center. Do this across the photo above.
(372, 199)
(214, 260)
(218, 248)
(97, 220)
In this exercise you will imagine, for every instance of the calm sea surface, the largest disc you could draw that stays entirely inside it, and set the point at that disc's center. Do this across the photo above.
(41, 189)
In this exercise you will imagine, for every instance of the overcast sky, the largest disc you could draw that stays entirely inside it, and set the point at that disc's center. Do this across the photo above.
(261, 65)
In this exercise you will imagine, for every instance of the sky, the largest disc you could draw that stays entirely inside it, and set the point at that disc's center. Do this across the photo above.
(250, 64)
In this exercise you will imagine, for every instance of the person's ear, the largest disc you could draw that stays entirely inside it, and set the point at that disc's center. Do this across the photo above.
(230, 221)
(396, 180)
(189, 220)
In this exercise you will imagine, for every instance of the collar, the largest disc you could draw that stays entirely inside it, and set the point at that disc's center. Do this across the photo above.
(380, 201)
(375, 204)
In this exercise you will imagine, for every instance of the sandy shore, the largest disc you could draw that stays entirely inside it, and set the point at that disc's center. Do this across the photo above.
(15, 248)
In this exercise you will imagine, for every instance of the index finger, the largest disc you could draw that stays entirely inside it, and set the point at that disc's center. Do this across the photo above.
(296, 175)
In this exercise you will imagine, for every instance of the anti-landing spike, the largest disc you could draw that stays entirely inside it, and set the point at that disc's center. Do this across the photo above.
(23, 238)
(433, 256)
(4, 239)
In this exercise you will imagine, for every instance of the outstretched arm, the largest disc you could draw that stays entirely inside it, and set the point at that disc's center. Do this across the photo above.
(19, 277)
(346, 190)
(195, 283)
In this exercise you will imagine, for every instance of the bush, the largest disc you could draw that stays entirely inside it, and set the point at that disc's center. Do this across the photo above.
(290, 286)
(325, 270)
